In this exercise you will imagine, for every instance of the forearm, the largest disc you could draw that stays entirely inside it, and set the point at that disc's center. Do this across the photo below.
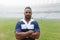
(24, 34)
(35, 35)
(21, 35)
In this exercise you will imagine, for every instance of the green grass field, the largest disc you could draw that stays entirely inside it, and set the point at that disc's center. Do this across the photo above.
(50, 29)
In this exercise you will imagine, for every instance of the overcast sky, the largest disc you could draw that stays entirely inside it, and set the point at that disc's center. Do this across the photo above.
(15, 6)
(19, 5)
(27, 2)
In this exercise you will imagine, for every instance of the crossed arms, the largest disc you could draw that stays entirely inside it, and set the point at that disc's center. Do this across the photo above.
(30, 33)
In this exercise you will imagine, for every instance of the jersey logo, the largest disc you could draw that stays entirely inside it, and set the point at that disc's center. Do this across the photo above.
(23, 26)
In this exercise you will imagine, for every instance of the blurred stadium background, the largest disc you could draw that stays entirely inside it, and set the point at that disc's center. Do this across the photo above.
(46, 12)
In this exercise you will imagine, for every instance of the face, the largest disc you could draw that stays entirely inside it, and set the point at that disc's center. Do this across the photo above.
(27, 13)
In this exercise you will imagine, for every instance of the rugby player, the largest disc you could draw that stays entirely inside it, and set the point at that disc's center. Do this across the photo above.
(27, 28)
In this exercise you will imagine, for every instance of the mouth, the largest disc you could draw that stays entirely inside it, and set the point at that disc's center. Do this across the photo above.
(28, 16)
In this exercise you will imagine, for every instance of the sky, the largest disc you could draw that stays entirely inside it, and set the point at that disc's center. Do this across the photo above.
(27, 2)
(19, 5)
(7, 6)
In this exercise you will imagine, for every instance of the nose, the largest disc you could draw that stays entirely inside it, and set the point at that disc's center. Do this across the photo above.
(28, 13)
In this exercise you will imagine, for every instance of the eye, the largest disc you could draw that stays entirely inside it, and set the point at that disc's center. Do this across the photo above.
(26, 12)
(29, 12)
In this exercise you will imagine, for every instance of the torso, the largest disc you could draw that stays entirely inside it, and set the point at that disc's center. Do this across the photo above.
(26, 27)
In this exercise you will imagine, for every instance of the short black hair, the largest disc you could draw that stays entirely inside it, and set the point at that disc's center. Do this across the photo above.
(28, 8)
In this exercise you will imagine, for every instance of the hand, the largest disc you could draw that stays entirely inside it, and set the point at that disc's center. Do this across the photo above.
(30, 31)
(32, 35)
(35, 35)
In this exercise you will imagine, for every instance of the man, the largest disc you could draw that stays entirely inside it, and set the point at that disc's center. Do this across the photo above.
(27, 28)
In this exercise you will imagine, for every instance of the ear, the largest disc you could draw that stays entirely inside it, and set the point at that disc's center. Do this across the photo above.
(24, 11)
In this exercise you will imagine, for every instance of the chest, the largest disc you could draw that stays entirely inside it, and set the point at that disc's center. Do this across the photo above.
(26, 27)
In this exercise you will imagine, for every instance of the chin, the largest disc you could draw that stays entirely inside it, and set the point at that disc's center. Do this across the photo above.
(28, 18)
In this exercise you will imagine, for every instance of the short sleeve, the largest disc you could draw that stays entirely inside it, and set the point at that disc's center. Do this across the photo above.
(36, 27)
(18, 27)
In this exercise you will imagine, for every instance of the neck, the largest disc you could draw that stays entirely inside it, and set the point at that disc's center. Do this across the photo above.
(27, 20)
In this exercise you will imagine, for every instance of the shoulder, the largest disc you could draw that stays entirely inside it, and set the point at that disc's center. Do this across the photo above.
(34, 21)
(20, 21)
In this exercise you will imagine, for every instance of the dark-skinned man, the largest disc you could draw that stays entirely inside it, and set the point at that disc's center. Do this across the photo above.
(27, 28)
